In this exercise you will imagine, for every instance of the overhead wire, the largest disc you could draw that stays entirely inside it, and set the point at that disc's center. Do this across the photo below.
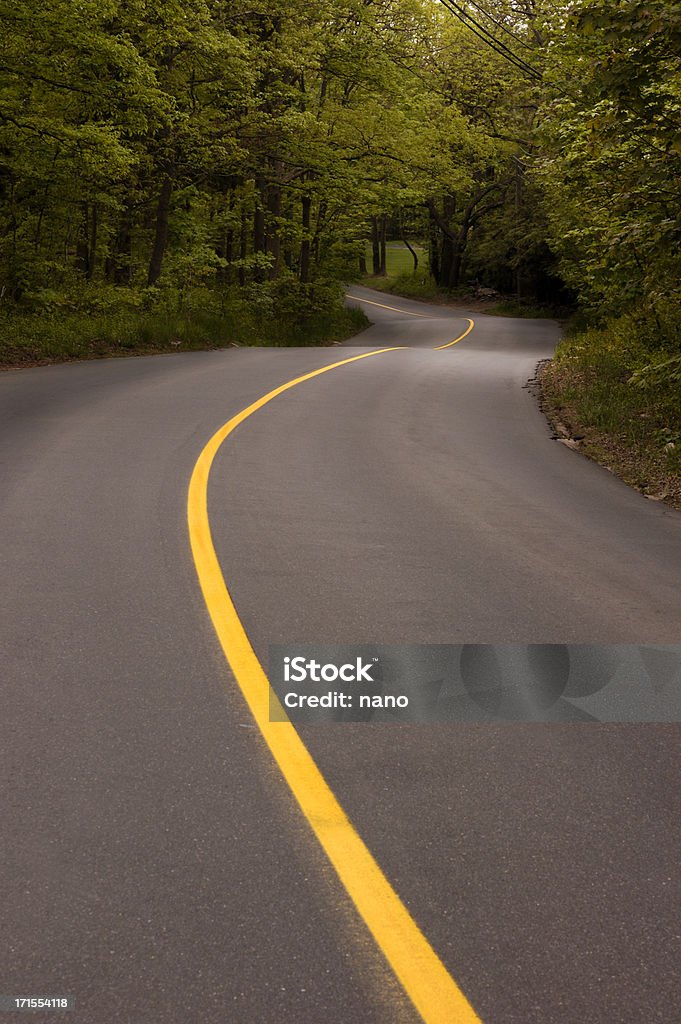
(500, 48)
(483, 33)
(489, 39)
(500, 24)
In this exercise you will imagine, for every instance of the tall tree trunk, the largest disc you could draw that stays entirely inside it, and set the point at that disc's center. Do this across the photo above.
(259, 237)
(363, 265)
(225, 248)
(83, 241)
(518, 185)
(94, 225)
(384, 262)
(243, 246)
(434, 249)
(459, 243)
(446, 261)
(414, 256)
(305, 242)
(321, 217)
(161, 233)
(287, 254)
(229, 255)
(273, 239)
(455, 266)
(118, 263)
(375, 248)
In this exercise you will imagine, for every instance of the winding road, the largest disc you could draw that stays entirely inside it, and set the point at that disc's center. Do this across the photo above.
(155, 865)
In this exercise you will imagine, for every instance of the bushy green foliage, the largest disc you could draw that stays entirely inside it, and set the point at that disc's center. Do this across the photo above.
(621, 382)
(611, 159)
(207, 319)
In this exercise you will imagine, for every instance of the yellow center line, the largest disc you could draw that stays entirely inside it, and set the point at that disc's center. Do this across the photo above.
(432, 990)
(395, 309)
(426, 316)
(471, 325)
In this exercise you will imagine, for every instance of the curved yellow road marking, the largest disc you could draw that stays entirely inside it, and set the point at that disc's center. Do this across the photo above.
(426, 316)
(406, 312)
(471, 325)
(422, 974)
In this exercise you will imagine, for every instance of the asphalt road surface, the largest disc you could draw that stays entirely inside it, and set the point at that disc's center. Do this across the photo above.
(154, 864)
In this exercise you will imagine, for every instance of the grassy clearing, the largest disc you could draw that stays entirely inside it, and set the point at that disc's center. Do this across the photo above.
(61, 334)
(620, 398)
(401, 279)
(399, 261)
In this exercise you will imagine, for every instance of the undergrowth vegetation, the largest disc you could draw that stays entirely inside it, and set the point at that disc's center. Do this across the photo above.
(618, 390)
(105, 322)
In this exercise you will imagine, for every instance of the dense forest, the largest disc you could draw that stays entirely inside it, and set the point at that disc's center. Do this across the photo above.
(238, 159)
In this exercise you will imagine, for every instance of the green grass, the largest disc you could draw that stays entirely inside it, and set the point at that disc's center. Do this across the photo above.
(400, 277)
(399, 261)
(622, 395)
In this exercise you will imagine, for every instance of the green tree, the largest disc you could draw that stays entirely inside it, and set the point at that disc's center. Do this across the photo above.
(611, 163)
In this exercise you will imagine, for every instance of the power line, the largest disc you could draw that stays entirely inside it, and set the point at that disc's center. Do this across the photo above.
(490, 40)
(500, 24)
(487, 37)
